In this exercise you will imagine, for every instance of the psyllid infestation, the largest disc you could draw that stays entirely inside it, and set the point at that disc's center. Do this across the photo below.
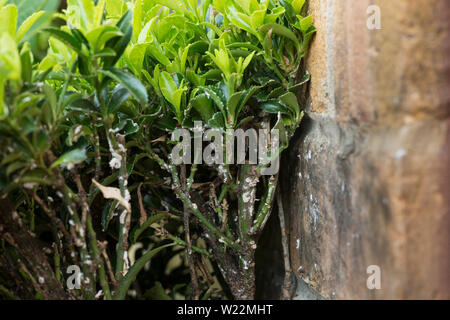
(86, 172)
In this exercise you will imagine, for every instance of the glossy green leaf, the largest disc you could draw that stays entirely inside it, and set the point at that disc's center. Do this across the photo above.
(290, 100)
(246, 97)
(274, 107)
(119, 96)
(284, 141)
(216, 97)
(172, 93)
(204, 106)
(72, 157)
(120, 44)
(130, 82)
(217, 121)
(108, 211)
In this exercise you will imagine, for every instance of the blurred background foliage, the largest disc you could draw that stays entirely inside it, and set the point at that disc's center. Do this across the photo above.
(38, 40)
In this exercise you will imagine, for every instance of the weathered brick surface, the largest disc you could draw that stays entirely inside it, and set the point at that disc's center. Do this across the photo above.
(367, 181)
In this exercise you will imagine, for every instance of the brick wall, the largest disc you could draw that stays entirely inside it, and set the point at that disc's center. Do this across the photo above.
(366, 182)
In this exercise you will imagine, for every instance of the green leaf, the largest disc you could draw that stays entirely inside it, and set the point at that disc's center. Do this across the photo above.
(98, 37)
(244, 121)
(290, 11)
(10, 158)
(135, 233)
(23, 29)
(134, 270)
(80, 37)
(248, 94)
(297, 5)
(274, 15)
(83, 104)
(136, 56)
(166, 123)
(10, 66)
(8, 21)
(27, 7)
(51, 100)
(48, 62)
(71, 157)
(232, 105)
(257, 18)
(273, 106)
(108, 211)
(204, 106)
(175, 5)
(128, 127)
(86, 11)
(239, 19)
(306, 23)
(290, 100)
(98, 12)
(65, 37)
(217, 121)
(119, 96)
(167, 84)
(116, 8)
(284, 141)
(218, 99)
(172, 93)
(154, 81)
(276, 93)
(156, 51)
(137, 18)
(119, 45)
(282, 31)
(14, 167)
(106, 52)
(130, 82)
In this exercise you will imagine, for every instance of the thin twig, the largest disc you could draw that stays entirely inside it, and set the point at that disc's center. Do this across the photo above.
(143, 217)
(102, 246)
(187, 236)
(286, 290)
